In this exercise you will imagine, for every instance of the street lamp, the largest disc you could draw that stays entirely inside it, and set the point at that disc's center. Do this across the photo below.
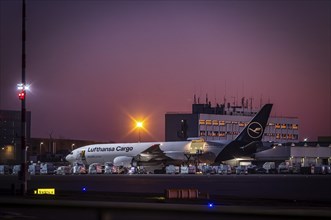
(139, 125)
(41, 143)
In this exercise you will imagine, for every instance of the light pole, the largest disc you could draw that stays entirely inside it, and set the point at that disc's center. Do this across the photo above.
(22, 96)
(139, 125)
(41, 143)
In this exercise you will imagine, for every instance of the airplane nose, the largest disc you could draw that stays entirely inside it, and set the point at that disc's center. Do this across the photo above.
(69, 158)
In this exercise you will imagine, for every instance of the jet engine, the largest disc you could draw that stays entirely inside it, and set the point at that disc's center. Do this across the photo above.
(123, 161)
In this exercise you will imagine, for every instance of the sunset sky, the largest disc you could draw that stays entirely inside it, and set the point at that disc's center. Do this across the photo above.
(94, 65)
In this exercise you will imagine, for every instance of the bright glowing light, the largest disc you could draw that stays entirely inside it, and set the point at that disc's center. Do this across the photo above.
(134, 129)
(140, 124)
(84, 189)
(21, 86)
(211, 205)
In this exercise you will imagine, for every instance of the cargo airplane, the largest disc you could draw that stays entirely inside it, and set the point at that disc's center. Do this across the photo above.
(163, 153)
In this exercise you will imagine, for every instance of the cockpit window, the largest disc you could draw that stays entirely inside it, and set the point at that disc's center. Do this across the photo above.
(71, 152)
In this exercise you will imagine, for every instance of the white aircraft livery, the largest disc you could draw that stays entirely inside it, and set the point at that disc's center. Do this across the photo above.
(156, 153)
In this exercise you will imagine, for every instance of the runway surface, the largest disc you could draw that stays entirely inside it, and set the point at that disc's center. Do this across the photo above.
(276, 187)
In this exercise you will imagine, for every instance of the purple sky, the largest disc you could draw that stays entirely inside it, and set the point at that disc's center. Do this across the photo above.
(93, 64)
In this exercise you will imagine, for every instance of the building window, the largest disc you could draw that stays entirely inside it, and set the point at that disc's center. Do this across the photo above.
(241, 124)
(222, 134)
(215, 122)
(283, 126)
(202, 122)
(202, 133)
(222, 123)
(277, 126)
(295, 127)
(208, 122)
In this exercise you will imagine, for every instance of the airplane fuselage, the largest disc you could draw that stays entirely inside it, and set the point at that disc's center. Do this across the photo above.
(142, 152)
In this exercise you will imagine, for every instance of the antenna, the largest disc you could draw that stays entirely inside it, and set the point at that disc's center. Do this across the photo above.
(251, 103)
(261, 101)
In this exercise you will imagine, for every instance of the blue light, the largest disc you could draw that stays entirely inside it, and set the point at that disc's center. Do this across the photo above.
(211, 205)
(84, 189)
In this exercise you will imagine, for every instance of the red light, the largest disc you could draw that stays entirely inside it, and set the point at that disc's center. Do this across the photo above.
(21, 95)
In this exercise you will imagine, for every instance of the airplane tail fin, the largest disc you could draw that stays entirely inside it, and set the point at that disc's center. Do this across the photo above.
(255, 128)
(249, 139)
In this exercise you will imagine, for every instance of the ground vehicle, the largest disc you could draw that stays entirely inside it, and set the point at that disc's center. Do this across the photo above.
(192, 169)
(184, 169)
(108, 167)
(34, 169)
(326, 169)
(260, 170)
(283, 168)
(269, 167)
(16, 169)
(241, 170)
(5, 170)
(79, 169)
(63, 170)
(224, 169)
(47, 168)
(251, 169)
(171, 169)
(95, 168)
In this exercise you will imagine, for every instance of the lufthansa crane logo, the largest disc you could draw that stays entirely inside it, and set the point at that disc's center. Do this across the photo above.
(255, 130)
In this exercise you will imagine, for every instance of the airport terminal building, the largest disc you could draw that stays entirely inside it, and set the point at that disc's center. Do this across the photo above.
(225, 123)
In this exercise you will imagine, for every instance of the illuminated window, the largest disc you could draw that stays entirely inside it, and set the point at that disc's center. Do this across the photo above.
(295, 127)
(277, 126)
(222, 123)
(241, 124)
(208, 122)
(215, 122)
(277, 136)
(222, 134)
(283, 126)
(202, 122)
(202, 133)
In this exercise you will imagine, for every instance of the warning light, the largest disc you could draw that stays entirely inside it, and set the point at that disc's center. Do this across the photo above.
(21, 95)
(211, 205)
(84, 189)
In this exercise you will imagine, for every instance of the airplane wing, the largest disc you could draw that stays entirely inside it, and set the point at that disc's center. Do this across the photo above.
(152, 153)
